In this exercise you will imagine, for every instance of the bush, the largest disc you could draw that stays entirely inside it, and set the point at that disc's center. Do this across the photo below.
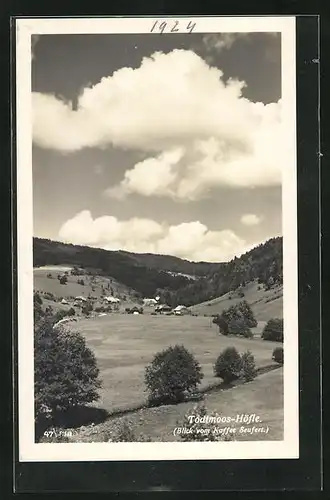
(222, 324)
(37, 307)
(239, 327)
(204, 429)
(63, 280)
(122, 431)
(125, 433)
(248, 334)
(87, 308)
(37, 300)
(278, 355)
(248, 368)
(71, 312)
(273, 330)
(66, 373)
(99, 309)
(237, 320)
(49, 275)
(245, 310)
(60, 314)
(81, 282)
(228, 365)
(173, 372)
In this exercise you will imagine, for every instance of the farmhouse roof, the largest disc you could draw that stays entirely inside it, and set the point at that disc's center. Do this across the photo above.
(111, 299)
(164, 307)
(180, 308)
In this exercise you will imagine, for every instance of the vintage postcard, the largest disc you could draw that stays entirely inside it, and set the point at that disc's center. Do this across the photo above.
(157, 238)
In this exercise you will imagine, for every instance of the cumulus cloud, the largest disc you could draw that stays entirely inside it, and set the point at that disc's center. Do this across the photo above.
(250, 219)
(153, 176)
(189, 240)
(197, 128)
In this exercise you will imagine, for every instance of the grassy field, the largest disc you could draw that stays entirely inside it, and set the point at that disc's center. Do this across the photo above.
(263, 396)
(265, 304)
(125, 344)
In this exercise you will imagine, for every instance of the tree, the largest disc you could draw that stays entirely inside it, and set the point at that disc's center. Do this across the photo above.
(248, 367)
(228, 365)
(63, 279)
(239, 327)
(173, 372)
(37, 307)
(37, 299)
(247, 313)
(278, 355)
(237, 320)
(71, 312)
(66, 373)
(87, 308)
(273, 330)
(60, 314)
(222, 324)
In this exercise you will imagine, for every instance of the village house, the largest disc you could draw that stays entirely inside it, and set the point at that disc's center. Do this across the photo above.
(181, 310)
(79, 301)
(135, 310)
(111, 300)
(163, 308)
(149, 302)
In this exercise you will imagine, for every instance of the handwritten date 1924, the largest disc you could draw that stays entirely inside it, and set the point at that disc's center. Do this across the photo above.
(172, 27)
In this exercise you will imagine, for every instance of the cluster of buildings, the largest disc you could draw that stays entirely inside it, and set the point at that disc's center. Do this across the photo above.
(80, 300)
(166, 309)
(153, 302)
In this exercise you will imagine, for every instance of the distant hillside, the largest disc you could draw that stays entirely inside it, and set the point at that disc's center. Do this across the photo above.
(121, 266)
(174, 264)
(149, 274)
(264, 303)
(263, 263)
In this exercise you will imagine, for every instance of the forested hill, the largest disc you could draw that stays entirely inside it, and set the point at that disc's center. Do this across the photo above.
(263, 263)
(174, 264)
(149, 274)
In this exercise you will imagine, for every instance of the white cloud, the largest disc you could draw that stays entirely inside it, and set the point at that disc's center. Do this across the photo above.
(250, 219)
(153, 176)
(172, 102)
(189, 240)
(220, 41)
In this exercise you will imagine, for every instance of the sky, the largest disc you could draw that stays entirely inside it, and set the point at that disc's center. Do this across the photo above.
(161, 143)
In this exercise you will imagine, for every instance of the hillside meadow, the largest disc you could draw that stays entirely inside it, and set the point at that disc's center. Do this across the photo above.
(265, 304)
(125, 344)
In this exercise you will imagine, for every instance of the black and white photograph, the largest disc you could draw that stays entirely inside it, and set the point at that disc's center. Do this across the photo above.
(157, 253)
